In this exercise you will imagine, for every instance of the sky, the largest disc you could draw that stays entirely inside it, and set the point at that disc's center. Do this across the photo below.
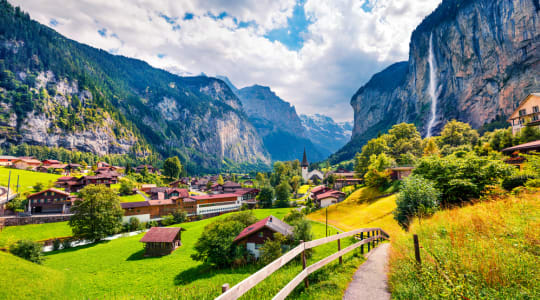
(314, 54)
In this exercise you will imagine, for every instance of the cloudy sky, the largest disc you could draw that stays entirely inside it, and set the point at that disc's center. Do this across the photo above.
(312, 53)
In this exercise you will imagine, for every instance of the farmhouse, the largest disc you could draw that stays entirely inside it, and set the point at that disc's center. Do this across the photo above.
(50, 201)
(51, 168)
(318, 190)
(160, 193)
(6, 160)
(249, 196)
(150, 168)
(255, 235)
(26, 163)
(328, 198)
(160, 241)
(50, 162)
(527, 113)
(343, 182)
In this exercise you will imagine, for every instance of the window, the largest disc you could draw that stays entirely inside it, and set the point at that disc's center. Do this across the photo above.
(522, 112)
(535, 118)
(535, 109)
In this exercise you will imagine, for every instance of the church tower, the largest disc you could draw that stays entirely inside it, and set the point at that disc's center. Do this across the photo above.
(305, 166)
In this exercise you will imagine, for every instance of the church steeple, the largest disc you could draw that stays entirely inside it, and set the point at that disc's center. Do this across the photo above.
(304, 160)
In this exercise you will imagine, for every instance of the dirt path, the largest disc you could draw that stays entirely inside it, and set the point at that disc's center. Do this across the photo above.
(370, 281)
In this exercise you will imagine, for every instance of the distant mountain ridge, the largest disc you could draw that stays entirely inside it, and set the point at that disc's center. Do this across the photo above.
(325, 133)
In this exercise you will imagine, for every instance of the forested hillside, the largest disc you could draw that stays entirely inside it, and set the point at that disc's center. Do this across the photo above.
(60, 93)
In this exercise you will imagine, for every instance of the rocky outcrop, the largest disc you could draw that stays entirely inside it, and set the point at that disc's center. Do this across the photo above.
(325, 133)
(487, 53)
(277, 123)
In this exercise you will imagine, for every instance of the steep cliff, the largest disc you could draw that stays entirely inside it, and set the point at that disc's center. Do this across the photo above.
(487, 55)
(325, 133)
(278, 124)
(57, 92)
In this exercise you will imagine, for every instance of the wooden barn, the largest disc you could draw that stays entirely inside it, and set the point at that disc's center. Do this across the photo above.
(159, 241)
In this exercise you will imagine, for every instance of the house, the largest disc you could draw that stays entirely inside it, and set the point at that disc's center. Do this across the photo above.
(147, 187)
(150, 168)
(248, 196)
(49, 162)
(103, 164)
(255, 235)
(318, 190)
(73, 167)
(160, 193)
(51, 168)
(343, 182)
(73, 184)
(399, 173)
(214, 205)
(50, 201)
(526, 114)
(328, 198)
(26, 163)
(160, 241)
(179, 182)
(314, 175)
(515, 158)
(231, 187)
(138, 209)
(249, 183)
(6, 160)
(61, 182)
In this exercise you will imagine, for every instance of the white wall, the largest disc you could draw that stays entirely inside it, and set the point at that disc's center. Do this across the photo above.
(143, 218)
(328, 201)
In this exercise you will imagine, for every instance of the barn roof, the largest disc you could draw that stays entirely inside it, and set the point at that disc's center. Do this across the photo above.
(50, 190)
(270, 222)
(161, 234)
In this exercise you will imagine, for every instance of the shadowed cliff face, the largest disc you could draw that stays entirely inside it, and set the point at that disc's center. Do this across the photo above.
(487, 53)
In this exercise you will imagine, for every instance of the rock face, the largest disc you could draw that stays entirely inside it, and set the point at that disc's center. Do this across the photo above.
(325, 133)
(278, 124)
(487, 53)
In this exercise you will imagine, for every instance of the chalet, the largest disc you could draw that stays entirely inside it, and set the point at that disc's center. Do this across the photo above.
(103, 164)
(51, 168)
(150, 168)
(50, 201)
(527, 113)
(61, 182)
(26, 163)
(138, 209)
(515, 158)
(213, 205)
(248, 196)
(73, 184)
(49, 162)
(318, 190)
(160, 193)
(343, 182)
(328, 198)
(160, 241)
(147, 187)
(255, 235)
(6, 160)
(73, 167)
(180, 182)
(231, 187)
(399, 173)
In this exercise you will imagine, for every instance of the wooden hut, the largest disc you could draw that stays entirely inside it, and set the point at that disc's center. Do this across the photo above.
(162, 240)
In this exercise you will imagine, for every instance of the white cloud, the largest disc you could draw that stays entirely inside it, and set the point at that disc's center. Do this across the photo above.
(343, 46)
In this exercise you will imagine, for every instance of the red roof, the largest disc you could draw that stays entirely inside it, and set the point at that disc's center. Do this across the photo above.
(270, 222)
(50, 190)
(218, 196)
(244, 191)
(66, 178)
(318, 189)
(161, 235)
(161, 202)
(330, 193)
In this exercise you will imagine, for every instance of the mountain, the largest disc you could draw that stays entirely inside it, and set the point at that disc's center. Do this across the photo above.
(277, 123)
(325, 133)
(57, 92)
(484, 58)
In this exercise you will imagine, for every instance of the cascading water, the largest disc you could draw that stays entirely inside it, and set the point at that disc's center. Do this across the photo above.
(433, 93)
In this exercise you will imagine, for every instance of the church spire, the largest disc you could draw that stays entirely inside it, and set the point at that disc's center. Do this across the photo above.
(304, 159)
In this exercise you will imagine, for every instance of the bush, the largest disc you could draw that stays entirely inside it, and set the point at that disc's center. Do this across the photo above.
(28, 250)
(533, 183)
(293, 216)
(272, 249)
(515, 180)
(56, 244)
(126, 187)
(418, 198)
(179, 216)
(134, 224)
(167, 220)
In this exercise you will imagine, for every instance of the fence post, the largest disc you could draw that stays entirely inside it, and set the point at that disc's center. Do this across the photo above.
(224, 288)
(417, 249)
(362, 246)
(306, 282)
(338, 249)
(368, 244)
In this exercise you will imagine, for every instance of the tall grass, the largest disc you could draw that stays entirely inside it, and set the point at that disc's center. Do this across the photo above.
(488, 250)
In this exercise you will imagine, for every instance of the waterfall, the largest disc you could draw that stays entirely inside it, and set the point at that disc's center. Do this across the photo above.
(433, 92)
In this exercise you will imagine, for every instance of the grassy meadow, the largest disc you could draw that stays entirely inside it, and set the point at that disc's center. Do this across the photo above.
(33, 232)
(27, 179)
(132, 198)
(488, 250)
(117, 269)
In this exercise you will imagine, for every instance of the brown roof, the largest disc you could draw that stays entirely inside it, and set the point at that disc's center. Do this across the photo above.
(161, 202)
(50, 190)
(330, 194)
(526, 146)
(270, 222)
(134, 204)
(161, 234)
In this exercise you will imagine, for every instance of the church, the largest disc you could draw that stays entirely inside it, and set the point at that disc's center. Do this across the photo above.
(314, 175)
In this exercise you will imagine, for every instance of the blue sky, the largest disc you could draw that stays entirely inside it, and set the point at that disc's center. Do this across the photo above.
(314, 54)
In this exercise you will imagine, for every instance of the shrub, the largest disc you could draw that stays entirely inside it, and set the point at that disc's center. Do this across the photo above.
(533, 183)
(56, 244)
(516, 180)
(215, 245)
(126, 187)
(418, 198)
(272, 249)
(28, 250)
(167, 220)
(293, 216)
(134, 224)
(179, 216)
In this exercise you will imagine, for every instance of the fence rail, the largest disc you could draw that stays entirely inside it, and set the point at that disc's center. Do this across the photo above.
(245, 285)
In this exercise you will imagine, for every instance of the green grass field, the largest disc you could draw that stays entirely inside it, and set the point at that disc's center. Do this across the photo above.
(117, 269)
(27, 179)
(132, 198)
(34, 232)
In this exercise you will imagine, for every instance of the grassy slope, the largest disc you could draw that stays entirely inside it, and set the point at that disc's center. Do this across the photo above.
(27, 179)
(132, 198)
(490, 250)
(34, 232)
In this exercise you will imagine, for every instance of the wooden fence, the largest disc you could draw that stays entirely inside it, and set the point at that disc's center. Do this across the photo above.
(377, 234)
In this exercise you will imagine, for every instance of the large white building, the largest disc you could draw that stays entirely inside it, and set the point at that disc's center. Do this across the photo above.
(306, 174)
